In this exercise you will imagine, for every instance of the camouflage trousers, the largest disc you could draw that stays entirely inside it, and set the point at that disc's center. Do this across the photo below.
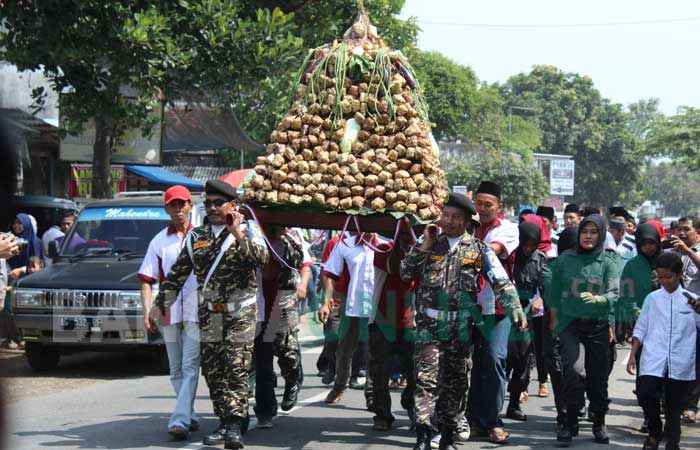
(441, 359)
(386, 342)
(227, 352)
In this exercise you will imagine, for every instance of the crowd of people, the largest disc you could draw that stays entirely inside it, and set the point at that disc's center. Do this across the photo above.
(457, 318)
(461, 315)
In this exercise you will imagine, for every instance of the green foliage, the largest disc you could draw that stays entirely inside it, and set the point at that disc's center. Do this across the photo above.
(524, 135)
(258, 103)
(450, 89)
(575, 120)
(462, 108)
(674, 186)
(235, 54)
(677, 136)
(643, 116)
(520, 180)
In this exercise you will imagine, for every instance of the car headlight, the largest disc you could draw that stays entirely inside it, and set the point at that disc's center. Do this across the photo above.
(130, 300)
(29, 298)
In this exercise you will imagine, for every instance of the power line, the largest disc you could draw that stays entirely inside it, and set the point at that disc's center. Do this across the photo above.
(565, 25)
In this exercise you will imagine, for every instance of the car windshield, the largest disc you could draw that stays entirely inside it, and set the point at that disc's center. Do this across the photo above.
(116, 230)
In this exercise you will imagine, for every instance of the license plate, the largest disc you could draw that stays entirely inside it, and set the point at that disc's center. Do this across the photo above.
(80, 323)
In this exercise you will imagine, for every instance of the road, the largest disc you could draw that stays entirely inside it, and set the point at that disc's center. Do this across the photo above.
(119, 401)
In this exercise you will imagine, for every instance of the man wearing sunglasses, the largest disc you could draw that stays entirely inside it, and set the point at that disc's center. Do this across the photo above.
(224, 255)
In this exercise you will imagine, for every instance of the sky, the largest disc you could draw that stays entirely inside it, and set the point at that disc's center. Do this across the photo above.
(630, 49)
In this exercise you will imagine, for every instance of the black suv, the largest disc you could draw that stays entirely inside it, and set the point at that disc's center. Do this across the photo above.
(89, 298)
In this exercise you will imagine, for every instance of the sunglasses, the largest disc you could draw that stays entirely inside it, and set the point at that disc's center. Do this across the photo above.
(219, 202)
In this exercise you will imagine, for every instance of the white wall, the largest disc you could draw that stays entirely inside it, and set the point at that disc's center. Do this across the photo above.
(16, 92)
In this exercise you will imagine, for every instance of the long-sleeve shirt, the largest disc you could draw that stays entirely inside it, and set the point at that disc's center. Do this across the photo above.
(575, 273)
(450, 278)
(635, 284)
(667, 329)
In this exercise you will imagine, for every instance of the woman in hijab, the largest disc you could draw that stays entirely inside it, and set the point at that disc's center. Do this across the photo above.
(585, 287)
(638, 280)
(526, 266)
(550, 342)
(545, 244)
(23, 228)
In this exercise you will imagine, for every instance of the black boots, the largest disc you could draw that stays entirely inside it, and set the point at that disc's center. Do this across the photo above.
(232, 437)
(600, 431)
(514, 412)
(217, 437)
(447, 440)
(423, 435)
(570, 430)
(291, 394)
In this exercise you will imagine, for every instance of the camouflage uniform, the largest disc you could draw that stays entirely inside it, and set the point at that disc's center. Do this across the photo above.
(278, 334)
(446, 311)
(227, 317)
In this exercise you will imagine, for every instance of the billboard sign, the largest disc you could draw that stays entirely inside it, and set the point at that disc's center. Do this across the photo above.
(561, 177)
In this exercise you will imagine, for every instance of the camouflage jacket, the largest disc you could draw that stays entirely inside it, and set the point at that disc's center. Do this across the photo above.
(450, 279)
(234, 277)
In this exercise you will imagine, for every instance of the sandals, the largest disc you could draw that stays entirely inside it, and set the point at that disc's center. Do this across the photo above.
(498, 435)
(689, 417)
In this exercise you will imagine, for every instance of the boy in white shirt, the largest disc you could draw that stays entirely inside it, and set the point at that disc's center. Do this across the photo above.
(666, 330)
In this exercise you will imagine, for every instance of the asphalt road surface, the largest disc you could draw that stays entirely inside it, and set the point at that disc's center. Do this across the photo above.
(120, 401)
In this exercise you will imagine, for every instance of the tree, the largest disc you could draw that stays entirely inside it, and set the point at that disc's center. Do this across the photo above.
(96, 49)
(520, 180)
(675, 187)
(234, 54)
(575, 120)
(643, 116)
(677, 136)
(463, 109)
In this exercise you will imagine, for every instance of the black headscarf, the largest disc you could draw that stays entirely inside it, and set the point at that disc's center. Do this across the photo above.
(528, 231)
(599, 222)
(648, 232)
(567, 239)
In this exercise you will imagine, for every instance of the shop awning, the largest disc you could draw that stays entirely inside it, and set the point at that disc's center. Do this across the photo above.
(162, 176)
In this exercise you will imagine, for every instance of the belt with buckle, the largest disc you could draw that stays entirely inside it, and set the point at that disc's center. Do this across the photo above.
(437, 314)
(231, 307)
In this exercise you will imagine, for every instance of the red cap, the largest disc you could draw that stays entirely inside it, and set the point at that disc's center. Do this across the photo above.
(177, 193)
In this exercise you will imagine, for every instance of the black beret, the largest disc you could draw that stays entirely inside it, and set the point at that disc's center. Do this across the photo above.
(572, 208)
(619, 211)
(489, 187)
(219, 187)
(546, 211)
(462, 202)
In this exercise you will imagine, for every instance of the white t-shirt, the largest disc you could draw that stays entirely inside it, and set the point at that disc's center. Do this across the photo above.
(667, 329)
(507, 235)
(162, 253)
(360, 262)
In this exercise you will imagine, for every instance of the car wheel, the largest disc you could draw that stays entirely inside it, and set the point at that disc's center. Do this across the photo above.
(41, 358)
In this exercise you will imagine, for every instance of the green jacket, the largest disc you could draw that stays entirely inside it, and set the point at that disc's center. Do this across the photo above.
(635, 285)
(575, 273)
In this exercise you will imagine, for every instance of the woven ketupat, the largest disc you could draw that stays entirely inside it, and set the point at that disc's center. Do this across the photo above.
(357, 134)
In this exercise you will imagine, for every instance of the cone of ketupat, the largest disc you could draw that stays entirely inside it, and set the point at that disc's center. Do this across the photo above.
(357, 135)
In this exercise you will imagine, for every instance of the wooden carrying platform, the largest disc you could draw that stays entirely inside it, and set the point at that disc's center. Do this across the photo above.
(309, 217)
